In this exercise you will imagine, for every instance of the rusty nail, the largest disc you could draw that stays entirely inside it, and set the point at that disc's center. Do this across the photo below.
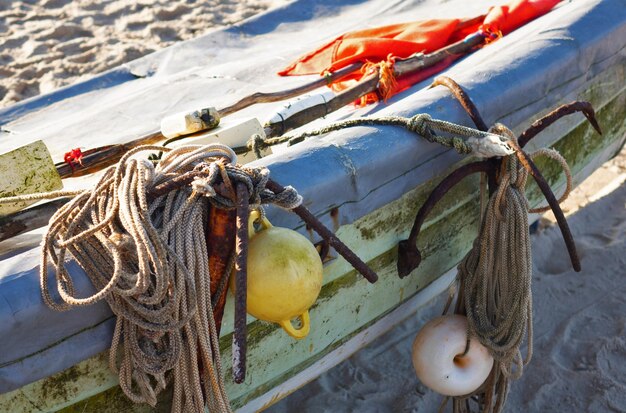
(334, 214)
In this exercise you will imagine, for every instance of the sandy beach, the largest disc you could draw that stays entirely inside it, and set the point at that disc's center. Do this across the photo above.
(52, 43)
(579, 362)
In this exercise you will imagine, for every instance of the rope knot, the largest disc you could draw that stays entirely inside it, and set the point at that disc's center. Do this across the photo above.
(419, 124)
(256, 143)
(203, 187)
(204, 184)
(256, 179)
(461, 146)
(287, 199)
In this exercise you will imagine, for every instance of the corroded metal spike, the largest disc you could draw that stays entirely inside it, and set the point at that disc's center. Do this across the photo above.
(409, 257)
(563, 110)
(463, 99)
(328, 236)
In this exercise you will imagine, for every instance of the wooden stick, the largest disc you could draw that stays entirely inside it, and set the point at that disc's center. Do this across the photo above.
(29, 219)
(99, 158)
(260, 97)
(412, 64)
(367, 85)
(102, 157)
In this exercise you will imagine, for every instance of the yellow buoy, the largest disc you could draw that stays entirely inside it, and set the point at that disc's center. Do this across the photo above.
(284, 276)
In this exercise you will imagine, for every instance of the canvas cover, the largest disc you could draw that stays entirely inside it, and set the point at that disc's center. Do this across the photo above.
(357, 170)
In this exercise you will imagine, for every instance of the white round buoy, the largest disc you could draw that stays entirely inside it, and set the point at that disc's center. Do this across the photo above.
(438, 357)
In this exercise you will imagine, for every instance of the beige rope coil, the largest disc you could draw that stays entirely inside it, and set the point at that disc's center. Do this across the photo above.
(495, 278)
(495, 283)
(149, 261)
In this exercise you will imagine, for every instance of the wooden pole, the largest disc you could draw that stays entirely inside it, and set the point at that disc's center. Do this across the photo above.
(101, 157)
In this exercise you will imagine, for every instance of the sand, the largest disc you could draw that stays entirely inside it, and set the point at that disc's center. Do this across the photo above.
(51, 43)
(580, 318)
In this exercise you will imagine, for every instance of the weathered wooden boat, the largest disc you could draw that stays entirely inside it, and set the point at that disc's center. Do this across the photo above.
(367, 182)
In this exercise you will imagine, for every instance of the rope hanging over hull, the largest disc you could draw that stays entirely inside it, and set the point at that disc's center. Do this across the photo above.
(152, 270)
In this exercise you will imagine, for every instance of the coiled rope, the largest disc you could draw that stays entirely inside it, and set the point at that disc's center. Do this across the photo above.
(495, 282)
(147, 257)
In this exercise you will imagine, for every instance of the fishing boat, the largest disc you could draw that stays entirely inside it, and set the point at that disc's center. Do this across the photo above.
(366, 182)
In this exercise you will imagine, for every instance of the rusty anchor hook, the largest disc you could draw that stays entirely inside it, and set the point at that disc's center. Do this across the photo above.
(409, 256)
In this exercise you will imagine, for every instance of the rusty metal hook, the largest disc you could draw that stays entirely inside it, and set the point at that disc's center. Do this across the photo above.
(463, 98)
(540, 124)
(536, 127)
(409, 256)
